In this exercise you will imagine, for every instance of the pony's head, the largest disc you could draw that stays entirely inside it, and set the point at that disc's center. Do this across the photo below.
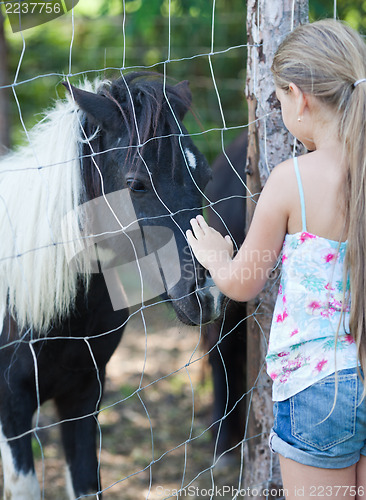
(144, 179)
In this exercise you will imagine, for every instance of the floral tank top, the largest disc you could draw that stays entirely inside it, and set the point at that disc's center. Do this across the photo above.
(303, 346)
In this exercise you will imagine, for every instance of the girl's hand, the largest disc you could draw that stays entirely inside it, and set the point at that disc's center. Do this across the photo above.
(209, 247)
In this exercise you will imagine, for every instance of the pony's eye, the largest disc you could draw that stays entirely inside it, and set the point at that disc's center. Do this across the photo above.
(136, 186)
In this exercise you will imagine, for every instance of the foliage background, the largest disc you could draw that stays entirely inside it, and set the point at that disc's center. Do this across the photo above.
(105, 36)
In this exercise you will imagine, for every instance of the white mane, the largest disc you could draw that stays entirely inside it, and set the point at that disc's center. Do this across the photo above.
(36, 281)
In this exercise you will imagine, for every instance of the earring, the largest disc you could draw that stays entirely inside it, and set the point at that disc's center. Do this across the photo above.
(299, 118)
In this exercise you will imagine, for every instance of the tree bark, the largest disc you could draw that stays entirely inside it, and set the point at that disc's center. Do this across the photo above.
(4, 92)
(268, 22)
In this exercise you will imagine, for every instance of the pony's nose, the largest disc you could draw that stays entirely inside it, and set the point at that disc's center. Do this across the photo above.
(211, 300)
(197, 304)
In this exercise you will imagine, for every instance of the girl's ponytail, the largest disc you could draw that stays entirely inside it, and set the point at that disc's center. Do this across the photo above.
(353, 132)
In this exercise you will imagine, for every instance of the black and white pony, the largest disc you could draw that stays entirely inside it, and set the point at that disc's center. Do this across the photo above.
(109, 178)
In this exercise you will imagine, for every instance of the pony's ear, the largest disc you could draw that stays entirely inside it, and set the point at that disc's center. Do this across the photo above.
(99, 108)
(182, 104)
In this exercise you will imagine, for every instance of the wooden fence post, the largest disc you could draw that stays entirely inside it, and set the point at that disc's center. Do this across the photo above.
(268, 21)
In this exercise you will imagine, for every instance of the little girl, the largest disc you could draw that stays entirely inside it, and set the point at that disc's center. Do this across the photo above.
(313, 210)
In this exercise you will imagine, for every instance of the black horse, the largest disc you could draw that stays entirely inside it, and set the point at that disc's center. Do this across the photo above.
(106, 186)
(226, 337)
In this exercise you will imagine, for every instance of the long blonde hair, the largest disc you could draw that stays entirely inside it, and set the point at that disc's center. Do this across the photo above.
(325, 59)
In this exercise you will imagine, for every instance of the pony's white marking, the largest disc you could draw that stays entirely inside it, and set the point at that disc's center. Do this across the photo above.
(190, 158)
(39, 185)
(216, 294)
(17, 486)
(209, 288)
(69, 487)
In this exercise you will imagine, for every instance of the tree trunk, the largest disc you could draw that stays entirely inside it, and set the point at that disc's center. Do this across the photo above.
(4, 92)
(269, 144)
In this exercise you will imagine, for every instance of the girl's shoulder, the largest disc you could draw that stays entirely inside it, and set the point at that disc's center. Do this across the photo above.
(312, 167)
(282, 178)
(285, 171)
(278, 192)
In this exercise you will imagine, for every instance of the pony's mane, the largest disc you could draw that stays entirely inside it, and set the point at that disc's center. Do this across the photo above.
(148, 97)
(155, 106)
(40, 184)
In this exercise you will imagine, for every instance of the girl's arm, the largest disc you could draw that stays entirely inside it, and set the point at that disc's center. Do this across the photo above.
(243, 277)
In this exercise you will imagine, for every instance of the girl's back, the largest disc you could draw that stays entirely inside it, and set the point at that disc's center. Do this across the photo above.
(323, 177)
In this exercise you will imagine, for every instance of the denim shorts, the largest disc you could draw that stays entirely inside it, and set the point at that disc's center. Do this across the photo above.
(307, 430)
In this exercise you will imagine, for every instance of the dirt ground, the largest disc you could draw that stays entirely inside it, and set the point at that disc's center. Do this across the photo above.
(155, 419)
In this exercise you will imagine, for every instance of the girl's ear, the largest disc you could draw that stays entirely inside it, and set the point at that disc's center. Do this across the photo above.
(301, 99)
(296, 92)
